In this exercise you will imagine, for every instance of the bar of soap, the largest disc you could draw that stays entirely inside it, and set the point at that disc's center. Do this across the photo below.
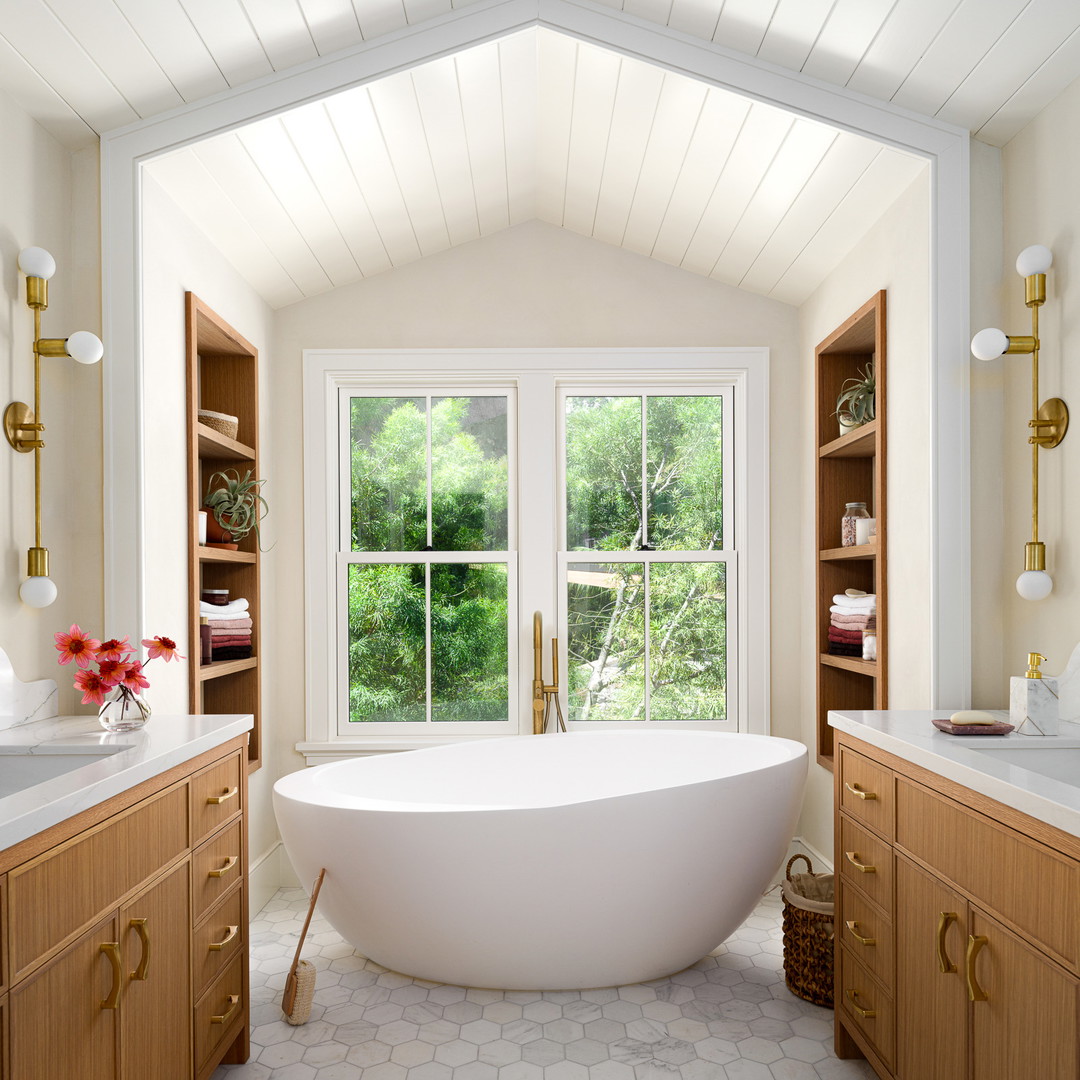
(972, 716)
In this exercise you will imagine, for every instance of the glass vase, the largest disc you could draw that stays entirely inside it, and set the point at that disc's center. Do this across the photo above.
(124, 711)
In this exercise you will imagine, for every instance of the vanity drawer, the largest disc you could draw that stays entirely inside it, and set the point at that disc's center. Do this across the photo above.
(866, 791)
(867, 1006)
(51, 897)
(215, 796)
(217, 939)
(867, 932)
(217, 1011)
(215, 868)
(866, 862)
(999, 866)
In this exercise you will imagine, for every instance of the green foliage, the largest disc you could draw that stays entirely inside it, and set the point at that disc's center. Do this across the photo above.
(236, 502)
(857, 399)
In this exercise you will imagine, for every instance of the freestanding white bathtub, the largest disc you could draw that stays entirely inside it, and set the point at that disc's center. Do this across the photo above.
(559, 862)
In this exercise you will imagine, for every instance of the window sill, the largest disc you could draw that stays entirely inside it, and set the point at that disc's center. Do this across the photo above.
(317, 753)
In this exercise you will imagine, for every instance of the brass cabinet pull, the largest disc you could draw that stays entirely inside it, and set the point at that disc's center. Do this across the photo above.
(217, 800)
(863, 868)
(139, 926)
(866, 1014)
(975, 944)
(852, 925)
(944, 962)
(859, 793)
(230, 862)
(234, 1001)
(112, 950)
(217, 946)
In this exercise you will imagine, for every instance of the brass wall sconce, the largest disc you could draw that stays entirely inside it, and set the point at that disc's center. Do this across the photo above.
(1049, 420)
(23, 427)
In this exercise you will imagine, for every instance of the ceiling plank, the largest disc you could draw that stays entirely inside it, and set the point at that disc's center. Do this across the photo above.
(743, 24)
(793, 31)
(849, 31)
(417, 11)
(332, 24)
(319, 146)
(439, 98)
(556, 63)
(282, 31)
(696, 17)
(225, 30)
(518, 75)
(378, 17)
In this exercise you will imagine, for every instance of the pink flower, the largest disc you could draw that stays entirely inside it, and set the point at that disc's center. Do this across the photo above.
(112, 672)
(115, 649)
(134, 679)
(77, 646)
(93, 687)
(163, 647)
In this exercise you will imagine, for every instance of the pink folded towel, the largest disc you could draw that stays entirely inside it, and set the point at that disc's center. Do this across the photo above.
(217, 624)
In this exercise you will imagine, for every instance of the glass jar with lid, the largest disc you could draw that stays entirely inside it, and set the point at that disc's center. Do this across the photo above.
(852, 512)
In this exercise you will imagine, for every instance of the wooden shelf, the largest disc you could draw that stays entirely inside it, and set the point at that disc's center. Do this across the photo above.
(850, 468)
(216, 669)
(849, 663)
(212, 444)
(223, 375)
(224, 555)
(856, 551)
(861, 442)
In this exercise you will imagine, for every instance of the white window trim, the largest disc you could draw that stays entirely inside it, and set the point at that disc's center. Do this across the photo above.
(329, 372)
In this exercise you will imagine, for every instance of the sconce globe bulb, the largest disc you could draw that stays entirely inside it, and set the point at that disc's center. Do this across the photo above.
(1034, 584)
(37, 592)
(1036, 259)
(85, 347)
(989, 344)
(37, 262)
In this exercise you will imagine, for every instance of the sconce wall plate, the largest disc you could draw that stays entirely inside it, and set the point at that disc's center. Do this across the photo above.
(1050, 423)
(20, 429)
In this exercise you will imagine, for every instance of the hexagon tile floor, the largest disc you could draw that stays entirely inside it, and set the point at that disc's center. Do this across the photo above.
(729, 1017)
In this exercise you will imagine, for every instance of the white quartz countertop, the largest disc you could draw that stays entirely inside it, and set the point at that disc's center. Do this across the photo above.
(166, 741)
(970, 761)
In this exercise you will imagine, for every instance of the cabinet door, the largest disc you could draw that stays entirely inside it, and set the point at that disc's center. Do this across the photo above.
(155, 1016)
(931, 1003)
(1027, 1024)
(63, 1018)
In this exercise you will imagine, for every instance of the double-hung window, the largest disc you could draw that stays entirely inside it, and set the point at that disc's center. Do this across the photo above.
(620, 494)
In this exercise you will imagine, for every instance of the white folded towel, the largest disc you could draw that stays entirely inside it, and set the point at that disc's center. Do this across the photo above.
(856, 605)
(223, 611)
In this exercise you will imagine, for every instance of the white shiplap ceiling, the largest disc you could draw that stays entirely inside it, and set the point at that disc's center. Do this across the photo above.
(535, 125)
(83, 67)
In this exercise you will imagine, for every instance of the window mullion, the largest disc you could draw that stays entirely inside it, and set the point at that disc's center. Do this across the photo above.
(427, 640)
(646, 566)
(430, 531)
(644, 473)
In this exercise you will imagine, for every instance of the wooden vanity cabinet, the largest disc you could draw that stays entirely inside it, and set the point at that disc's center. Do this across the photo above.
(964, 964)
(100, 926)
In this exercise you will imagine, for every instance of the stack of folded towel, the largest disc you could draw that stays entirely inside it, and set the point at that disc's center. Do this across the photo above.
(849, 616)
(230, 629)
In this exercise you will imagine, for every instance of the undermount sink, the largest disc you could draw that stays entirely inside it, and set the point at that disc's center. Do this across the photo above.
(1057, 762)
(23, 767)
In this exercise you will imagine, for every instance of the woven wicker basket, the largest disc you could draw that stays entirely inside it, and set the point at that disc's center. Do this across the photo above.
(222, 423)
(808, 934)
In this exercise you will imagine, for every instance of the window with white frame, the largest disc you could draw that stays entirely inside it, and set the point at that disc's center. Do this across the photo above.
(621, 496)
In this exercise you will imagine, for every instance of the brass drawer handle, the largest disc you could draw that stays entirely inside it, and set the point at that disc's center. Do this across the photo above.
(230, 862)
(975, 945)
(863, 868)
(217, 800)
(139, 926)
(944, 962)
(112, 950)
(234, 1001)
(853, 997)
(217, 946)
(859, 793)
(852, 925)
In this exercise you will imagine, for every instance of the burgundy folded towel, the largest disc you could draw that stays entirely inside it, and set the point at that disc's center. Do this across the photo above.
(848, 637)
(226, 643)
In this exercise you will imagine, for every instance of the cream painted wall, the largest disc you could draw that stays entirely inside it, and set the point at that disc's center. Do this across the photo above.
(1040, 170)
(537, 285)
(177, 258)
(894, 255)
(49, 198)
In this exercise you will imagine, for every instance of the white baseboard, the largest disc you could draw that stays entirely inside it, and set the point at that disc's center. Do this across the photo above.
(268, 873)
(822, 863)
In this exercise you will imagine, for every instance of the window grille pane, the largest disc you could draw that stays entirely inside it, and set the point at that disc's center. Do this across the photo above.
(469, 478)
(688, 641)
(388, 451)
(685, 472)
(469, 642)
(603, 473)
(387, 652)
(606, 641)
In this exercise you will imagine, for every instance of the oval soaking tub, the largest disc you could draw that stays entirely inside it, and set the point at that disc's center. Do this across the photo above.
(554, 863)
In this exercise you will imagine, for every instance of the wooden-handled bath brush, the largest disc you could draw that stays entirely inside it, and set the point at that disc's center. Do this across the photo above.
(300, 985)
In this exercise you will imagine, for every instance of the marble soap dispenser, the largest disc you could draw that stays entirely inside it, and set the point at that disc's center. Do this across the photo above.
(1033, 700)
